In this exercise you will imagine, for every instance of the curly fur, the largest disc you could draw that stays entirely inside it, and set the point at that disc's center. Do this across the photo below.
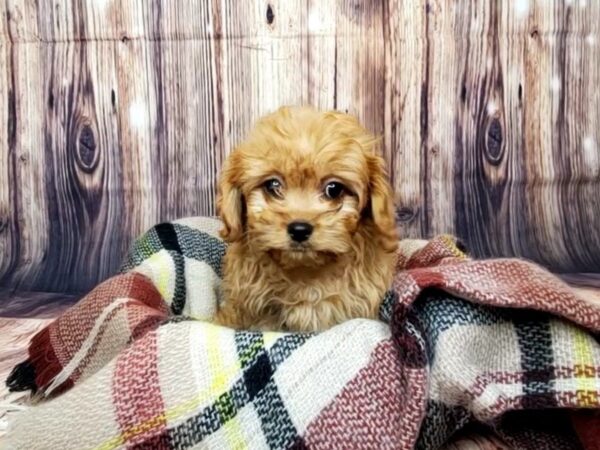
(343, 270)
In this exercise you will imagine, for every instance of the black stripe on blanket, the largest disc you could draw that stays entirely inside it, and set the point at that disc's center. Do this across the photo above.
(180, 293)
(441, 421)
(276, 424)
(537, 360)
(168, 238)
(201, 246)
(255, 386)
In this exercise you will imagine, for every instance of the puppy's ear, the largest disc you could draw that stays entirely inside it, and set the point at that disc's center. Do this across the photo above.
(381, 203)
(230, 202)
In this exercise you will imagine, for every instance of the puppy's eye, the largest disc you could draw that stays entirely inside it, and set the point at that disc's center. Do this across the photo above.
(274, 187)
(334, 190)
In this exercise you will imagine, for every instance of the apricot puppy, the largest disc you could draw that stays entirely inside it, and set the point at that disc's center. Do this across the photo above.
(308, 214)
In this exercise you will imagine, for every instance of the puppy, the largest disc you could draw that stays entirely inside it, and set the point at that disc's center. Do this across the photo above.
(308, 213)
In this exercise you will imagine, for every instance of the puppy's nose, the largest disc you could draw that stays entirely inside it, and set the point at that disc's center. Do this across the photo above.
(299, 231)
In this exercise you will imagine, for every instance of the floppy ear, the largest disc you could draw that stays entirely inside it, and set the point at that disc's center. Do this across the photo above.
(381, 203)
(230, 202)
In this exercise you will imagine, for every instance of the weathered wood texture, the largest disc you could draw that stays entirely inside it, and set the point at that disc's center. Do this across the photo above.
(117, 114)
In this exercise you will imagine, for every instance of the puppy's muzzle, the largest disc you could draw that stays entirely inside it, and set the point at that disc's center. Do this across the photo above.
(299, 231)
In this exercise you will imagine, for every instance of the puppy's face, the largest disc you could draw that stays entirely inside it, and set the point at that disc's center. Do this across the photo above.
(302, 184)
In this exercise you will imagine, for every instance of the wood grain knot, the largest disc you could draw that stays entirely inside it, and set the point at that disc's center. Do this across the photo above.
(270, 15)
(86, 149)
(405, 214)
(494, 141)
(361, 12)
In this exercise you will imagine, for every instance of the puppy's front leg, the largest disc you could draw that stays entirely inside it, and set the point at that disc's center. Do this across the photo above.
(229, 316)
(233, 316)
(309, 317)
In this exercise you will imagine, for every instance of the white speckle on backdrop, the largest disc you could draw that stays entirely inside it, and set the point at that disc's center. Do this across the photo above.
(591, 154)
(314, 21)
(101, 4)
(492, 107)
(138, 114)
(319, 22)
(555, 83)
(591, 39)
(582, 3)
(589, 144)
(521, 8)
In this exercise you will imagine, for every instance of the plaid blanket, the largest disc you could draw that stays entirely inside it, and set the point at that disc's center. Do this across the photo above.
(138, 364)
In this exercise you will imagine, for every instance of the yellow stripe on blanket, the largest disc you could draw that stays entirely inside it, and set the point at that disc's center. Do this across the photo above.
(224, 376)
(220, 383)
(587, 394)
(161, 270)
(450, 242)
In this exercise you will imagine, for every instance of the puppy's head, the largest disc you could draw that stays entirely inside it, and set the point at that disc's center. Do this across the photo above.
(302, 184)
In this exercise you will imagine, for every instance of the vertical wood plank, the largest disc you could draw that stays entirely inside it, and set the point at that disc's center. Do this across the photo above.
(191, 141)
(136, 108)
(360, 62)
(264, 62)
(405, 93)
(9, 237)
(439, 94)
(28, 205)
(281, 60)
(322, 34)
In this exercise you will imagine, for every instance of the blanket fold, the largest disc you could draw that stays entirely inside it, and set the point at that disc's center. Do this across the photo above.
(137, 363)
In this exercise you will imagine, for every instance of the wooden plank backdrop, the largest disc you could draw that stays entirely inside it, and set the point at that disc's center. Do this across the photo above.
(115, 115)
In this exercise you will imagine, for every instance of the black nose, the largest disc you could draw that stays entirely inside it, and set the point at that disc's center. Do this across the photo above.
(299, 231)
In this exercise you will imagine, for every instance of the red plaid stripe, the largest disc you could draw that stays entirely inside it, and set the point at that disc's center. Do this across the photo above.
(55, 346)
(503, 282)
(136, 395)
(381, 407)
